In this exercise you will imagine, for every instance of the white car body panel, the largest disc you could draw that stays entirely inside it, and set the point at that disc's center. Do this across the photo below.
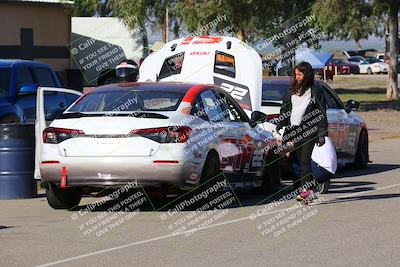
(40, 123)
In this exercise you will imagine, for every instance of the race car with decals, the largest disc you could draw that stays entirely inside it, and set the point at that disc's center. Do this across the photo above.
(158, 135)
(237, 68)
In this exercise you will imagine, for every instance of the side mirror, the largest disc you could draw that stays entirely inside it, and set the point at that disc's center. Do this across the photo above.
(258, 117)
(28, 89)
(352, 105)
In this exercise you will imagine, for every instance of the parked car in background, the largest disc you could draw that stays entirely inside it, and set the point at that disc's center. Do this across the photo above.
(347, 129)
(381, 57)
(19, 80)
(343, 66)
(369, 65)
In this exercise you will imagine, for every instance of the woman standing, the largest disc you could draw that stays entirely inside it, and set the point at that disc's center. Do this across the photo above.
(303, 114)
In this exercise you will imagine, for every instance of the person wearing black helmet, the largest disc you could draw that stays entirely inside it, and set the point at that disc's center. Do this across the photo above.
(127, 71)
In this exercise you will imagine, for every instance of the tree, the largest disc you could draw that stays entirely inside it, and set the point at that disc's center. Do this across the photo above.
(90, 8)
(244, 18)
(358, 20)
(134, 13)
(390, 8)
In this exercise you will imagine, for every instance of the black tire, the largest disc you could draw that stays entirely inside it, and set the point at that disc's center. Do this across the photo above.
(211, 168)
(369, 71)
(210, 175)
(272, 176)
(62, 198)
(9, 119)
(362, 158)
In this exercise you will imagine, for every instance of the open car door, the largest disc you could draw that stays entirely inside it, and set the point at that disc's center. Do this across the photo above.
(47, 109)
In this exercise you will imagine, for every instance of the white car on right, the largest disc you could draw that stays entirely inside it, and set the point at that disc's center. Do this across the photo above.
(369, 65)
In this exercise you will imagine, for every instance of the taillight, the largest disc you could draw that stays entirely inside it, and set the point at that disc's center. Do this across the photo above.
(172, 134)
(52, 135)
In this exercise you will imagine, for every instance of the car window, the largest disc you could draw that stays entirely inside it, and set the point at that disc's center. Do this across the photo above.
(231, 111)
(332, 100)
(172, 65)
(24, 76)
(4, 81)
(224, 64)
(212, 106)
(373, 60)
(198, 110)
(55, 105)
(273, 92)
(43, 77)
(71, 98)
(128, 101)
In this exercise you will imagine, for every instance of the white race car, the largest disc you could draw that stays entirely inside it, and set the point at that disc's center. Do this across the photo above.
(175, 134)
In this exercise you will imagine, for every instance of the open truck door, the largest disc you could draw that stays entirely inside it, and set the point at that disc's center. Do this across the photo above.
(224, 61)
(46, 111)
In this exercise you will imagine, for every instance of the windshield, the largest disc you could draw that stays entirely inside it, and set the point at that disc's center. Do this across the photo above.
(4, 81)
(372, 60)
(128, 101)
(274, 92)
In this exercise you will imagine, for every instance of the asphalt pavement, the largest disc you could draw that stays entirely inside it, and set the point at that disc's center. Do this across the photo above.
(356, 224)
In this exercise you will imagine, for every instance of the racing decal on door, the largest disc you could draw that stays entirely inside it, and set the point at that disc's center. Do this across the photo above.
(257, 160)
(246, 159)
(239, 92)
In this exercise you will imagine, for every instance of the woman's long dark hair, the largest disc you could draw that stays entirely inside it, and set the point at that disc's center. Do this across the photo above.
(308, 81)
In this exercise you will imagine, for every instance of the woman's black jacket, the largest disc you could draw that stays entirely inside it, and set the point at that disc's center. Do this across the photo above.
(311, 117)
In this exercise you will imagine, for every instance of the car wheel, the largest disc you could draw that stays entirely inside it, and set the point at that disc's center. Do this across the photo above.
(361, 160)
(369, 71)
(211, 168)
(62, 198)
(210, 176)
(9, 119)
(271, 176)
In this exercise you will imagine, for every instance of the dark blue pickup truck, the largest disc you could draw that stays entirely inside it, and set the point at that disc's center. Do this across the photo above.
(19, 80)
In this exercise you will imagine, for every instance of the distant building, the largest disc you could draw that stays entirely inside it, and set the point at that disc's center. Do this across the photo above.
(36, 30)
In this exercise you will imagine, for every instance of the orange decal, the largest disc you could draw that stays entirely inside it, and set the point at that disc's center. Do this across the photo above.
(207, 40)
(187, 40)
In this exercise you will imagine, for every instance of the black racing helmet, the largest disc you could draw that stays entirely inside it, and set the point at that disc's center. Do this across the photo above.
(127, 71)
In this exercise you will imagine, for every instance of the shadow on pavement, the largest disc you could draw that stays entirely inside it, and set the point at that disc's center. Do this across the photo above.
(5, 227)
(371, 169)
(243, 198)
(358, 198)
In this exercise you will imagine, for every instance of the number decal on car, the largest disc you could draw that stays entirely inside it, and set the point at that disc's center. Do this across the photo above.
(235, 91)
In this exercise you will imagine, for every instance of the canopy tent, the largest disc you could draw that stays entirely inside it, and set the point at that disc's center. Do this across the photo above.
(318, 60)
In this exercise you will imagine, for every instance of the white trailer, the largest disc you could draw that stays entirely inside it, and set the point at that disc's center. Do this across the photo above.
(223, 61)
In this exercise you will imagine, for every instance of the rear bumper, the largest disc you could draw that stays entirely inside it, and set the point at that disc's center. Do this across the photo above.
(111, 171)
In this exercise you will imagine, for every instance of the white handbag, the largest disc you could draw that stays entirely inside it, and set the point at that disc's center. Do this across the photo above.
(325, 156)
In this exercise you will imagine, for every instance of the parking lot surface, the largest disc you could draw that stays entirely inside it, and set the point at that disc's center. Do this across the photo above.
(357, 223)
